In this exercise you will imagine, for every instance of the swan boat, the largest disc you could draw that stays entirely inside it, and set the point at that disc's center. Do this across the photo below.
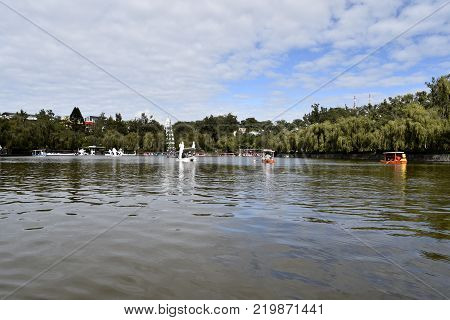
(114, 153)
(268, 156)
(186, 154)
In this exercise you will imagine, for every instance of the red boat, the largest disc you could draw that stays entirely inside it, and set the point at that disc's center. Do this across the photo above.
(394, 157)
(268, 156)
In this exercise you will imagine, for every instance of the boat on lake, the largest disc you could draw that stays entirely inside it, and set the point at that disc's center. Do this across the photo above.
(57, 154)
(394, 157)
(39, 153)
(186, 154)
(118, 153)
(95, 150)
(268, 156)
(82, 152)
(114, 153)
(250, 152)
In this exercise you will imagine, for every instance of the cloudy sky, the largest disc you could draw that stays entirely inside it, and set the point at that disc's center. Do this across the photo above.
(195, 58)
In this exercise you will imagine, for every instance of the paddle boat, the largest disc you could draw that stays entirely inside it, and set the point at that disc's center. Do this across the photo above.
(268, 156)
(94, 150)
(114, 153)
(59, 154)
(82, 152)
(394, 157)
(129, 154)
(186, 154)
(39, 153)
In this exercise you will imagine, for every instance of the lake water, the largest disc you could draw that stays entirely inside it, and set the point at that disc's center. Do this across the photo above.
(222, 228)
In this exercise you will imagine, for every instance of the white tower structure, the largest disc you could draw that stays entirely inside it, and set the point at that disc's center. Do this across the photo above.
(170, 140)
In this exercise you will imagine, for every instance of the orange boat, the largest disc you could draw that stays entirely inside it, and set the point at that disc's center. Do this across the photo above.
(268, 156)
(394, 157)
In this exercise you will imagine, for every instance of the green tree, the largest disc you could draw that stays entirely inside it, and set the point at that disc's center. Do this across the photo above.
(131, 141)
(76, 119)
(440, 95)
(113, 139)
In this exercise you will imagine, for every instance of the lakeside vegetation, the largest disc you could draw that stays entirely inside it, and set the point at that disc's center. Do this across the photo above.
(416, 122)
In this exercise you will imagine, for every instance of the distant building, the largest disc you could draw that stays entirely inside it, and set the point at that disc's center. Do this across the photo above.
(7, 115)
(91, 120)
(243, 130)
(10, 115)
(240, 130)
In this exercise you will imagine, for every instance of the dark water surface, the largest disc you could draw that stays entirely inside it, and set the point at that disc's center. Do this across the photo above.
(222, 228)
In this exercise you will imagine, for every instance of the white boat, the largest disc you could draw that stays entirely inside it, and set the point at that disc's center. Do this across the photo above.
(186, 154)
(58, 154)
(94, 150)
(114, 153)
(129, 154)
(39, 153)
(82, 152)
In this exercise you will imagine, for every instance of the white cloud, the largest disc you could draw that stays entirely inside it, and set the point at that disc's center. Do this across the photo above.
(183, 54)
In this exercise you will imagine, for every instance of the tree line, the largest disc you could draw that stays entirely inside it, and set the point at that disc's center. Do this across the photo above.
(416, 122)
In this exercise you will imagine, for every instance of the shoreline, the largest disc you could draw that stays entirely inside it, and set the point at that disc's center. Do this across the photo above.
(412, 157)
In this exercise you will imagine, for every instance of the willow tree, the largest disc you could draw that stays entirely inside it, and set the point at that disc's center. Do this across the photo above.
(440, 95)
(131, 141)
(113, 139)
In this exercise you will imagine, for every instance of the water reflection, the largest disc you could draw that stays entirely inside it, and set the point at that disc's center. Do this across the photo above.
(186, 177)
(249, 229)
(269, 175)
